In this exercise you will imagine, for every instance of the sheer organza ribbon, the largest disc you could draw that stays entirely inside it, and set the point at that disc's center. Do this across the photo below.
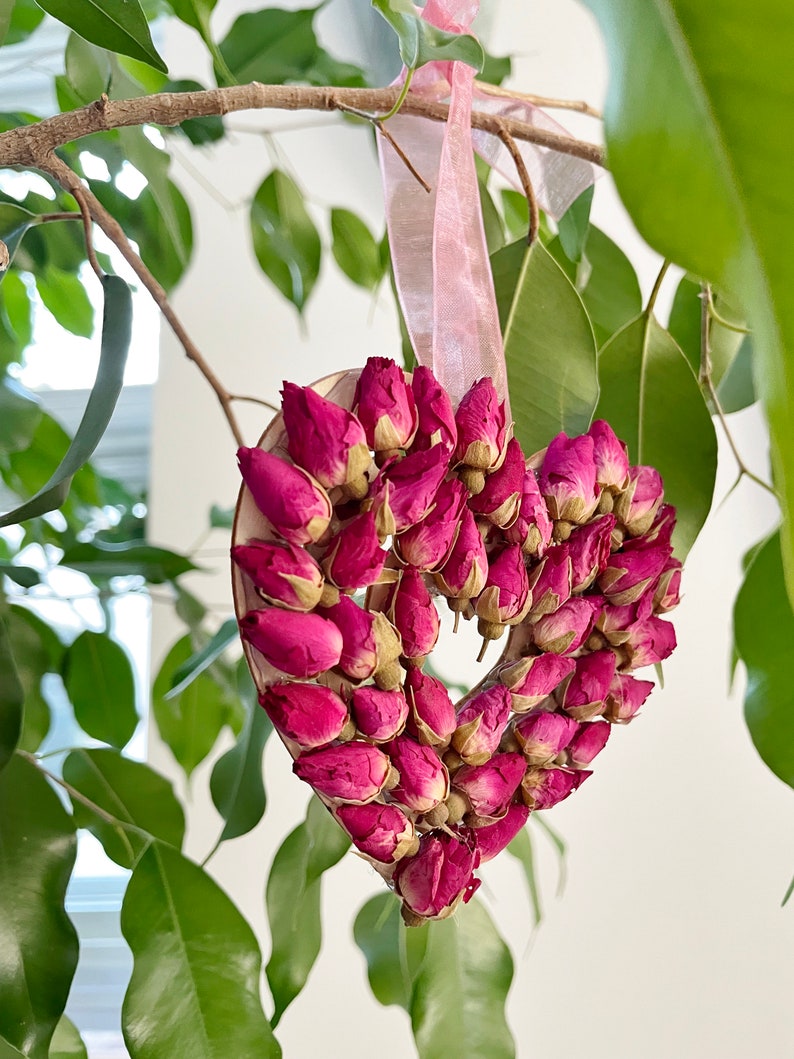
(437, 239)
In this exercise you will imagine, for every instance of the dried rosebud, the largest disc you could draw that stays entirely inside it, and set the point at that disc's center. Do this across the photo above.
(650, 641)
(667, 594)
(385, 405)
(544, 788)
(382, 832)
(542, 735)
(661, 531)
(284, 574)
(499, 500)
(610, 455)
(505, 598)
(414, 614)
(359, 655)
(564, 631)
(550, 582)
(583, 697)
(323, 438)
(427, 544)
(309, 714)
(637, 505)
(379, 715)
(352, 772)
(628, 573)
(626, 695)
(466, 570)
(490, 787)
(434, 412)
(405, 489)
(533, 679)
(614, 622)
(424, 780)
(355, 558)
(295, 505)
(434, 881)
(432, 717)
(567, 478)
(481, 723)
(589, 550)
(482, 430)
(588, 742)
(493, 838)
(533, 527)
(301, 645)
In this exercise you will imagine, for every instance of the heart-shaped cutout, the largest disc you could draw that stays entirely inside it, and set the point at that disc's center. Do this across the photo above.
(368, 501)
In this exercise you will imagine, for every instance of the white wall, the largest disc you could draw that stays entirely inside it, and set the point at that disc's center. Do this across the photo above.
(669, 942)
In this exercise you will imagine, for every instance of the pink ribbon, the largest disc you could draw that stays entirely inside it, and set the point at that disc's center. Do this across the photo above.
(438, 246)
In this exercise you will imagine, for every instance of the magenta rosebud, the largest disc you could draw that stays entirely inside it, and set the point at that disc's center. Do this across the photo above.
(284, 574)
(295, 505)
(533, 679)
(615, 622)
(382, 832)
(583, 697)
(650, 641)
(434, 411)
(589, 549)
(543, 788)
(588, 742)
(542, 735)
(404, 491)
(637, 505)
(414, 614)
(309, 714)
(493, 838)
(628, 573)
(501, 496)
(505, 598)
(567, 629)
(609, 453)
(667, 594)
(466, 570)
(661, 531)
(424, 780)
(434, 881)
(481, 723)
(359, 655)
(355, 558)
(491, 786)
(379, 715)
(323, 438)
(626, 695)
(352, 772)
(385, 405)
(301, 645)
(567, 479)
(551, 581)
(482, 430)
(427, 544)
(432, 718)
(533, 527)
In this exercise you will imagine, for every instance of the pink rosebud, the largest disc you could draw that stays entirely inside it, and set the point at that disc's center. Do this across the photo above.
(405, 489)
(543, 788)
(414, 614)
(382, 832)
(424, 780)
(626, 695)
(323, 438)
(482, 430)
(385, 405)
(551, 581)
(637, 505)
(432, 718)
(481, 723)
(500, 498)
(355, 558)
(533, 679)
(588, 742)
(533, 527)
(505, 598)
(564, 631)
(379, 715)
(434, 411)
(650, 641)
(610, 455)
(433, 882)
(295, 505)
(284, 574)
(427, 544)
(568, 478)
(352, 772)
(490, 787)
(614, 622)
(309, 714)
(466, 570)
(628, 573)
(583, 697)
(542, 735)
(661, 531)
(301, 645)
(359, 655)
(667, 594)
(589, 550)
(493, 838)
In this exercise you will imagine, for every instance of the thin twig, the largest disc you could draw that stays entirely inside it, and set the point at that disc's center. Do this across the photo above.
(377, 122)
(254, 400)
(578, 105)
(67, 215)
(78, 193)
(526, 183)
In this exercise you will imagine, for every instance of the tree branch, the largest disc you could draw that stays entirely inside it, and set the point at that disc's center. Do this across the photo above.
(526, 183)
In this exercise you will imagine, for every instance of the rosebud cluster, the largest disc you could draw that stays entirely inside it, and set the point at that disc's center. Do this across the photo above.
(370, 516)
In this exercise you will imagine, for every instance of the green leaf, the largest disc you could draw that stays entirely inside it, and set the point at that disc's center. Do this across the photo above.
(37, 939)
(116, 331)
(491, 220)
(293, 902)
(355, 249)
(87, 68)
(14, 222)
(286, 242)
(574, 225)
(128, 558)
(737, 389)
(763, 630)
(118, 25)
(67, 1042)
(549, 346)
(130, 791)
(20, 413)
(272, 46)
(12, 698)
(226, 635)
(18, 308)
(65, 297)
(25, 18)
(652, 400)
(37, 651)
(221, 517)
(421, 42)
(99, 681)
(685, 327)
(194, 991)
(521, 849)
(612, 294)
(516, 213)
(25, 576)
(194, 13)
(379, 931)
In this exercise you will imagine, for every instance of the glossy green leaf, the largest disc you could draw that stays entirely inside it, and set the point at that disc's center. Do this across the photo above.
(6, 7)
(574, 225)
(25, 18)
(25, 576)
(195, 13)
(66, 298)
(37, 939)
(737, 388)
(685, 325)
(293, 902)
(87, 68)
(226, 635)
(194, 991)
(131, 792)
(652, 400)
(118, 25)
(421, 42)
(99, 681)
(612, 294)
(221, 517)
(515, 211)
(20, 413)
(521, 849)
(549, 346)
(37, 651)
(763, 629)
(286, 242)
(12, 698)
(129, 558)
(67, 1042)
(14, 222)
(379, 932)
(355, 249)
(491, 219)
(116, 331)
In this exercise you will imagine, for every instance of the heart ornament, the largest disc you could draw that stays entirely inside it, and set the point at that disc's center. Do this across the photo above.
(368, 503)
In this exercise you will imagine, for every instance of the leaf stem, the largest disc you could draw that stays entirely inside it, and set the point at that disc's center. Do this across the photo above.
(715, 315)
(657, 286)
(401, 98)
(579, 105)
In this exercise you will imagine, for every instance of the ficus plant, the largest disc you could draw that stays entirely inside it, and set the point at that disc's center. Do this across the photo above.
(581, 348)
